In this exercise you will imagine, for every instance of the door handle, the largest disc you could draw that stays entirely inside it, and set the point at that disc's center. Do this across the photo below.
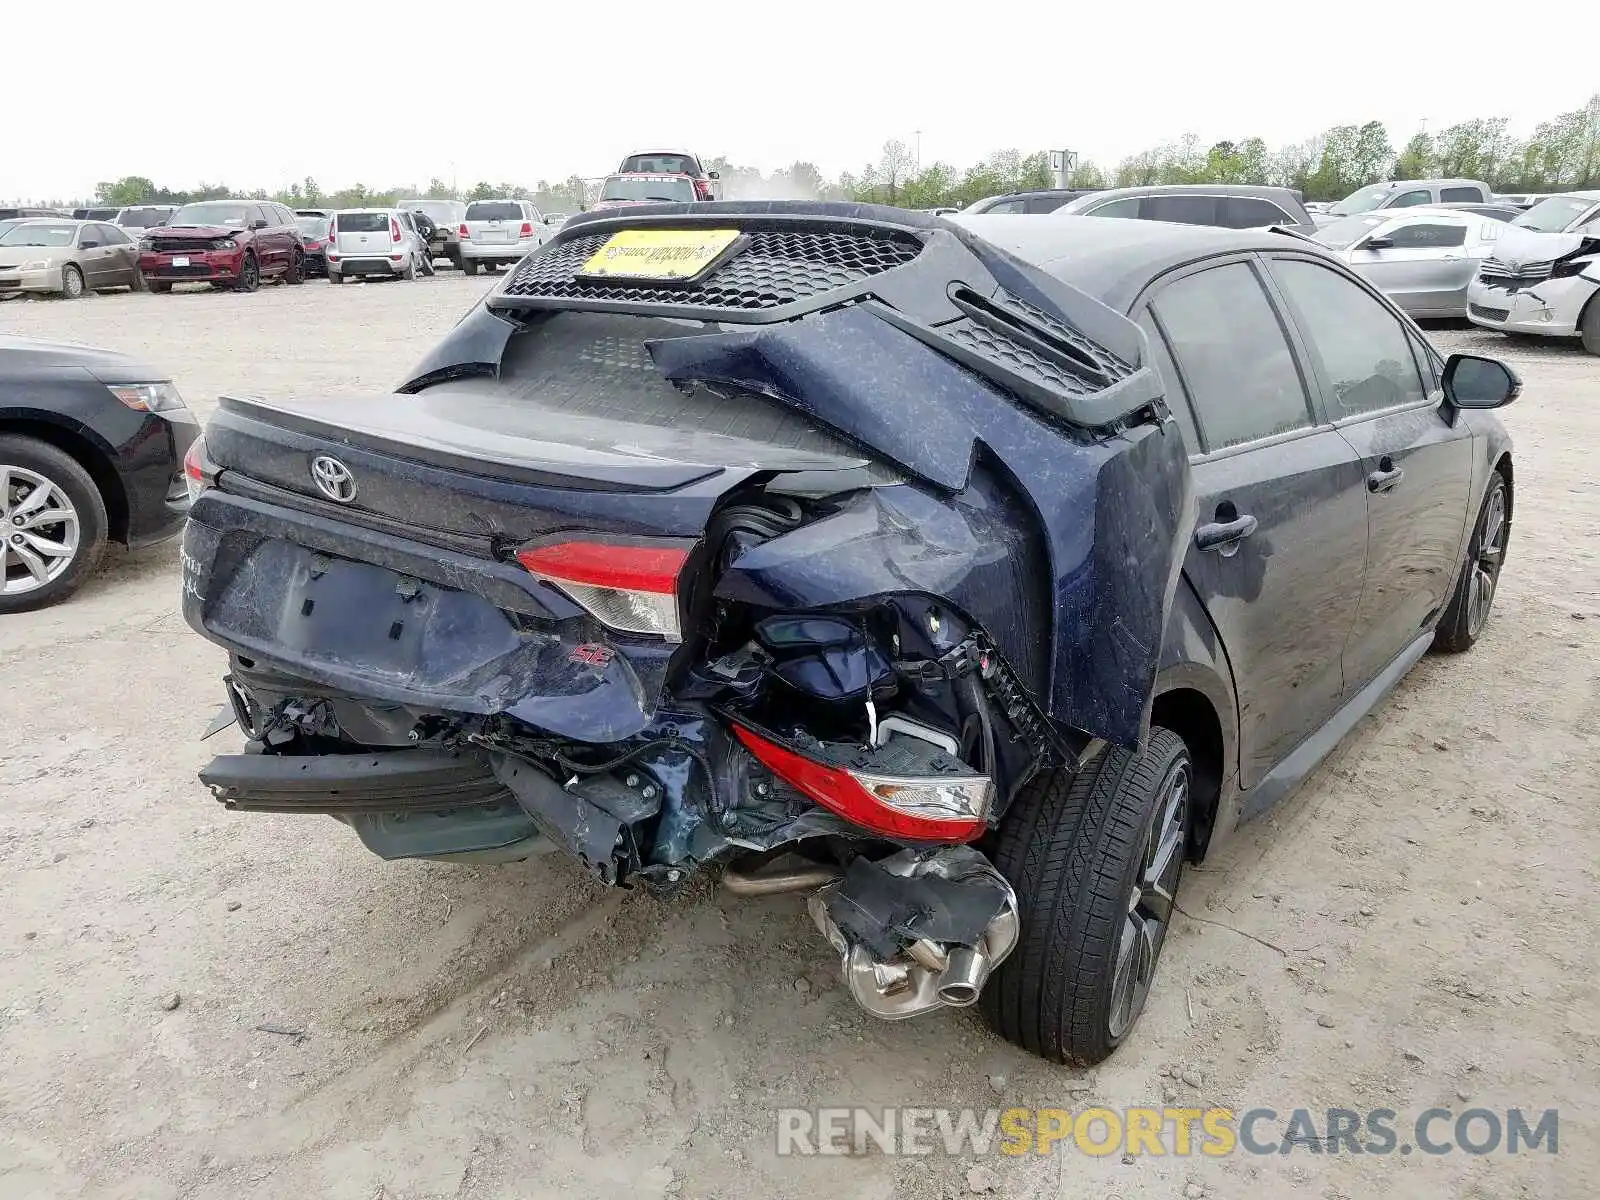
(1220, 535)
(1385, 477)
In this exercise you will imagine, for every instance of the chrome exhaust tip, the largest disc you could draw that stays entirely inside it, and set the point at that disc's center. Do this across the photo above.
(964, 977)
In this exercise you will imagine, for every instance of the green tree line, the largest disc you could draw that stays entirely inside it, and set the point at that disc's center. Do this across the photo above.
(1562, 153)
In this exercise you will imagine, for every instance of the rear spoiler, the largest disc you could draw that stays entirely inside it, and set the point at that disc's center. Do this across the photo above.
(1055, 348)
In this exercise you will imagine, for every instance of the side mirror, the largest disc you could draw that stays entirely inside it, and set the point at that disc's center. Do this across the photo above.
(1473, 381)
(713, 174)
(1378, 243)
(88, 244)
(258, 224)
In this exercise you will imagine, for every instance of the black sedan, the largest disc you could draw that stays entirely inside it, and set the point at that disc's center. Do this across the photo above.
(91, 449)
(989, 569)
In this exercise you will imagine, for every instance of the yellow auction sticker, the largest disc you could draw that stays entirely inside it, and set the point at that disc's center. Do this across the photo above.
(658, 254)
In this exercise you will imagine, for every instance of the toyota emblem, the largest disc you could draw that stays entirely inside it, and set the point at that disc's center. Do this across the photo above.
(333, 479)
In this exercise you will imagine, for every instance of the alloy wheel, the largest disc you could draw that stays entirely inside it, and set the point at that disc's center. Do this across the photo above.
(1150, 905)
(71, 282)
(39, 530)
(1485, 567)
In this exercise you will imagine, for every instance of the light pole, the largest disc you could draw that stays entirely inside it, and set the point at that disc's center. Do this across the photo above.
(918, 134)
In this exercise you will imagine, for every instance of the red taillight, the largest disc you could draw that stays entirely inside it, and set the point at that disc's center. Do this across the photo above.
(330, 231)
(933, 808)
(702, 188)
(526, 230)
(394, 230)
(463, 234)
(629, 588)
(194, 469)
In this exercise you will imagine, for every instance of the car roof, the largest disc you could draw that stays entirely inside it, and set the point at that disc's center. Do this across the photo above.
(1113, 259)
(649, 175)
(1261, 190)
(1590, 195)
(662, 150)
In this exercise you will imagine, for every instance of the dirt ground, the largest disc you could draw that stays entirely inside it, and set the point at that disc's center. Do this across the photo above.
(1414, 929)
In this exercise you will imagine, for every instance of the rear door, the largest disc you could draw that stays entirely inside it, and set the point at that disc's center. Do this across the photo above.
(1424, 267)
(122, 259)
(494, 222)
(1380, 382)
(362, 234)
(1279, 552)
(98, 257)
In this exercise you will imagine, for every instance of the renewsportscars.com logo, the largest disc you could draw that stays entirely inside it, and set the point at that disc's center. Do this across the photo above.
(1156, 1132)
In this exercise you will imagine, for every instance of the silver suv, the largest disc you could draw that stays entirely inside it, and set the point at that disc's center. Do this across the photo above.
(496, 233)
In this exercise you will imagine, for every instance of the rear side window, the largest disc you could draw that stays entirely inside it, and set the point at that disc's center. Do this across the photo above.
(363, 222)
(661, 164)
(1427, 236)
(1006, 206)
(1461, 195)
(110, 235)
(1234, 355)
(1185, 210)
(1365, 352)
(1045, 204)
(494, 210)
(1247, 212)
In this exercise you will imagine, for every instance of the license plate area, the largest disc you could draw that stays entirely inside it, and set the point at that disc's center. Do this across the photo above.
(661, 255)
(179, 260)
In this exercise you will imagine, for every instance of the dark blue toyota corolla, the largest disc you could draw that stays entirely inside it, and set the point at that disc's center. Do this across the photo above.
(969, 577)
(91, 449)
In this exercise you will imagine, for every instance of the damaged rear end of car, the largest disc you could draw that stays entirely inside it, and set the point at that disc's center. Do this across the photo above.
(791, 548)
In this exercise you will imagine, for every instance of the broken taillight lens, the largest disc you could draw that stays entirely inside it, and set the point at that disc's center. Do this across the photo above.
(923, 808)
(633, 589)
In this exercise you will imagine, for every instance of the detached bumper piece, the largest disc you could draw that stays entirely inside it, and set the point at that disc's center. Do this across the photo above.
(344, 784)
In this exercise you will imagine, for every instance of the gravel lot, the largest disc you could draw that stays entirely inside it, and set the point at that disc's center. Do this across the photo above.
(1414, 929)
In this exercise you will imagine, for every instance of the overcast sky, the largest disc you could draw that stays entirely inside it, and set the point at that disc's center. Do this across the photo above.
(258, 95)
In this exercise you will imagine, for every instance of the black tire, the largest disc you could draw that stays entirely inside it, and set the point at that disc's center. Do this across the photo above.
(1589, 325)
(67, 474)
(1073, 846)
(1467, 615)
(160, 289)
(336, 277)
(297, 269)
(249, 275)
(138, 284)
(470, 266)
(72, 285)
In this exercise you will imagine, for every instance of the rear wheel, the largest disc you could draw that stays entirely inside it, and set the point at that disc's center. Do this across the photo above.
(52, 524)
(72, 283)
(136, 282)
(160, 289)
(1468, 611)
(470, 266)
(1589, 325)
(1095, 857)
(410, 269)
(297, 269)
(335, 277)
(249, 275)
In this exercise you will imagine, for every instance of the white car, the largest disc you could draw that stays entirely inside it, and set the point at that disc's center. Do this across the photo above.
(497, 233)
(375, 242)
(1544, 276)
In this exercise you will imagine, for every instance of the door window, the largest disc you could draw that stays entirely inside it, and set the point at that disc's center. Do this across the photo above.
(110, 235)
(1185, 210)
(1044, 204)
(1461, 195)
(1234, 356)
(1411, 199)
(1249, 212)
(1426, 236)
(1365, 352)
